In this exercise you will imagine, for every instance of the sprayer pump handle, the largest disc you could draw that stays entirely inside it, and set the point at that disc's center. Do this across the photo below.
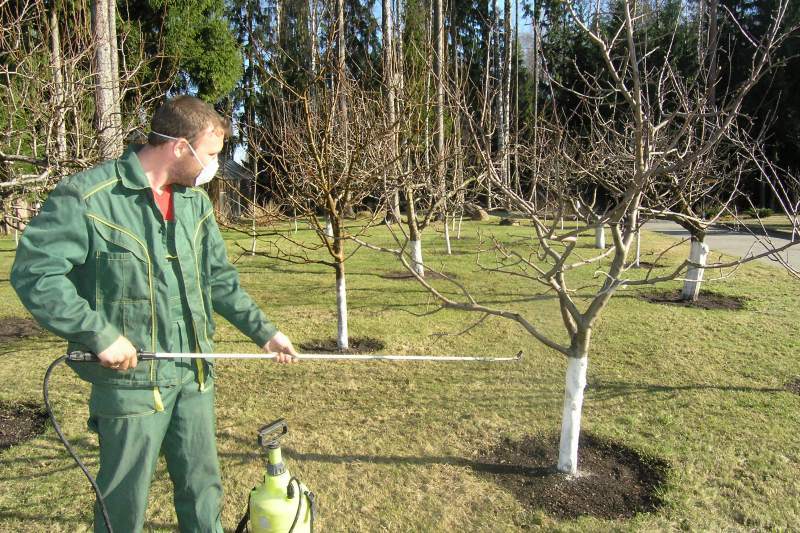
(272, 432)
(90, 357)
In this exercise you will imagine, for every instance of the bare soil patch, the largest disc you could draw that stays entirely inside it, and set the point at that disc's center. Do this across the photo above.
(705, 300)
(13, 328)
(20, 422)
(647, 265)
(357, 345)
(793, 386)
(614, 481)
(404, 274)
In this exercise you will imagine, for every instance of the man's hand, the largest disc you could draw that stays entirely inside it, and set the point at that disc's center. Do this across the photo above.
(121, 355)
(282, 347)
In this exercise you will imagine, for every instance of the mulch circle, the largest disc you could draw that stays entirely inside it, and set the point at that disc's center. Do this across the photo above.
(705, 300)
(793, 386)
(405, 274)
(614, 481)
(357, 345)
(12, 329)
(646, 265)
(20, 422)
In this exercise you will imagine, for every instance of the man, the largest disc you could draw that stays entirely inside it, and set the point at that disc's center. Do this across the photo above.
(127, 256)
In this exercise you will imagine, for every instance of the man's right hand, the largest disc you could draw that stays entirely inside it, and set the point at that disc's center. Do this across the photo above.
(121, 355)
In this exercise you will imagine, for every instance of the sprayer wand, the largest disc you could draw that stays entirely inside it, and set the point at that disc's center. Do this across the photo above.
(88, 357)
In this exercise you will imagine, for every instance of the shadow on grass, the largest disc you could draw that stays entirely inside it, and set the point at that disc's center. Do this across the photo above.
(57, 518)
(478, 466)
(606, 390)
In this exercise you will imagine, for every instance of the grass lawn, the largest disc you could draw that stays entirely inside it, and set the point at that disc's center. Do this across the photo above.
(391, 446)
(779, 223)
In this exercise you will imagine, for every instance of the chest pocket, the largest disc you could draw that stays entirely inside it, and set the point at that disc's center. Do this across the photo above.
(122, 265)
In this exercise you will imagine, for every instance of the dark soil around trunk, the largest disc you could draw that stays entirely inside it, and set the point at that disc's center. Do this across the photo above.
(405, 274)
(20, 422)
(12, 329)
(358, 345)
(646, 265)
(705, 300)
(793, 386)
(613, 482)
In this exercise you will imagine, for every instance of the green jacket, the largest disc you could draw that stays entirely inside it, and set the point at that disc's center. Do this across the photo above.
(92, 266)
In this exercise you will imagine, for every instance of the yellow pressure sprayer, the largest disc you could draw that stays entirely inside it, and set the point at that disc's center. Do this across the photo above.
(281, 504)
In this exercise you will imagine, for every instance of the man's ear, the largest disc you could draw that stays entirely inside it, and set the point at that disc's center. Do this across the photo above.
(179, 148)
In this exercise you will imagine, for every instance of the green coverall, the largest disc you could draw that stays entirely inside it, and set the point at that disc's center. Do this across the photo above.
(100, 261)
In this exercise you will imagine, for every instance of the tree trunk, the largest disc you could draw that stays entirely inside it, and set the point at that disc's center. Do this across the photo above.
(440, 163)
(342, 340)
(313, 29)
(59, 108)
(414, 234)
(114, 56)
(600, 237)
(109, 142)
(694, 276)
(416, 257)
(575, 384)
(391, 87)
(505, 98)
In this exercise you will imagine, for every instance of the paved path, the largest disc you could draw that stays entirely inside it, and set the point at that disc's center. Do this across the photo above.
(731, 242)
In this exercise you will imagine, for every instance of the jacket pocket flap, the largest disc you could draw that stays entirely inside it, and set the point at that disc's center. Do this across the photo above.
(121, 237)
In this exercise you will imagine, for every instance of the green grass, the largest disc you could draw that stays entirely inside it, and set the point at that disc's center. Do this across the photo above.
(387, 447)
(780, 223)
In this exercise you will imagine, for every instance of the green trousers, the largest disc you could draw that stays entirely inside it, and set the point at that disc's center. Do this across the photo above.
(133, 433)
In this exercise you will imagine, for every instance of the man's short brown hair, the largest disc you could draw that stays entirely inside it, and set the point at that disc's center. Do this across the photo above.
(185, 116)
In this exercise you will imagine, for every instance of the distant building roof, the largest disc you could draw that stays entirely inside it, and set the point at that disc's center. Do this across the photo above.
(230, 170)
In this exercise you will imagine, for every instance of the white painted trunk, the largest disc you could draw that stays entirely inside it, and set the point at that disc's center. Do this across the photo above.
(458, 233)
(416, 257)
(295, 225)
(447, 237)
(600, 237)
(694, 277)
(16, 237)
(328, 229)
(341, 305)
(571, 418)
(638, 248)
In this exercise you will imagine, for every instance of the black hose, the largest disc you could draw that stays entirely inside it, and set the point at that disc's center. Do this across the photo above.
(309, 497)
(67, 444)
(299, 501)
(242, 527)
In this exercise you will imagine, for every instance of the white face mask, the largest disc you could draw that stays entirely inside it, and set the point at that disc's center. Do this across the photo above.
(207, 173)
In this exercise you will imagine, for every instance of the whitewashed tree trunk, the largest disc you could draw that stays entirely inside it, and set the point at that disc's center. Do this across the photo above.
(329, 228)
(575, 383)
(447, 236)
(342, 339)
(694, 277)
(600, 237)
(416, 257)
(637, 259)
(458, 232)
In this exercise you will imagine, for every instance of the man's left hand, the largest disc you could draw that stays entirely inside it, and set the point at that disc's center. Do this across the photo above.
(282, 347)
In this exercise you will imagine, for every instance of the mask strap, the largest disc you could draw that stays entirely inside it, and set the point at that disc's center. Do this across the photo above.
(178, 139)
